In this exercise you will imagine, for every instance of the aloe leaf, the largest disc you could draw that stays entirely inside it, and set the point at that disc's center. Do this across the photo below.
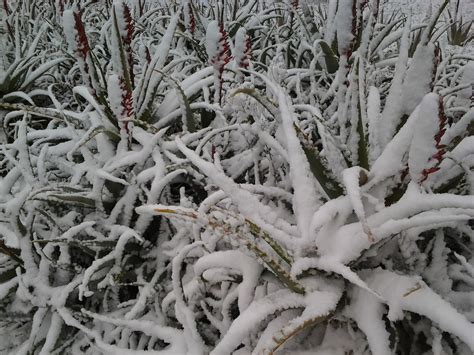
(322, 174)
(147, 90)
(283, 275)
(258, 233)
(189, 115)
(7, 275)
(332, 63)
(310, 317)
(75, 200)
(428, 32)
(93, 132)
(12, 254)
(40, 112)
(362, 145)
(122, 56)
(271, 107)
(273, 264)
(37, 73)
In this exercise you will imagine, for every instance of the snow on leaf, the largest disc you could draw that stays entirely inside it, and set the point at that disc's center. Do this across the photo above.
(257, 312)
(368, 313)
(419, 77)
(250, 269)
(426, 151)
(405, 293)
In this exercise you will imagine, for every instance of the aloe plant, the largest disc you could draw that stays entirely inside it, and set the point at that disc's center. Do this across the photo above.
(235, 177)
(459, 31)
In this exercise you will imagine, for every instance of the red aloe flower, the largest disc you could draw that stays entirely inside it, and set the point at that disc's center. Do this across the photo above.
(83, 47)
(218, 50)
(242, 50)
(60, 5)
(224, 54)
(121, 101)
(294, 7)
(189, 18)
(77, 38)
(127, 40)
(127, 105)
(127, 100)
(437, 60)
(5, 7)
(248, 53)
(438, 156)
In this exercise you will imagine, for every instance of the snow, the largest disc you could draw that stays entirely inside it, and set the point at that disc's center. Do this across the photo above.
(351, 178)
(464, 96)
(156, 198)
(213, 37)
(319, 304)
(152, 76)
(368, 312)
(423, 146)
(255, 313)
(405, 293)
(419, 77)
(305, 202)
(349, 241)
(459, 128)
(250, 270)
(69, 30)
(373, 117)
(116, 94)
(343, 21)
(392, 159)
(248, 205)
(393, 109)
(183, 313)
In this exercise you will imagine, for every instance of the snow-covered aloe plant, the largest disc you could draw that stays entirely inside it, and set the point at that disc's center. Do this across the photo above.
(337, 197)
(24, 61)
(218, 51)
(164, 205)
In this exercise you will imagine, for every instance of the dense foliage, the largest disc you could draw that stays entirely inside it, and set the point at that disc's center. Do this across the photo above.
(238, 176)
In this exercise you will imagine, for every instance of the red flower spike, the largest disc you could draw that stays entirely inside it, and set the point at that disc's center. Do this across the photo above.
(437, 60)
(242, 54)
(427, 172)
(438, 156)
(127, 104)
(244, 62)
(294, 4)
(61, 7)
(147, 55)
(130, 27)
(190, 20)
(82, 43)
(219, 55)
(5, 6)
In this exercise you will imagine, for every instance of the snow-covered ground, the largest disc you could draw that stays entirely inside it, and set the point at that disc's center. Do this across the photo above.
(419, 8)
